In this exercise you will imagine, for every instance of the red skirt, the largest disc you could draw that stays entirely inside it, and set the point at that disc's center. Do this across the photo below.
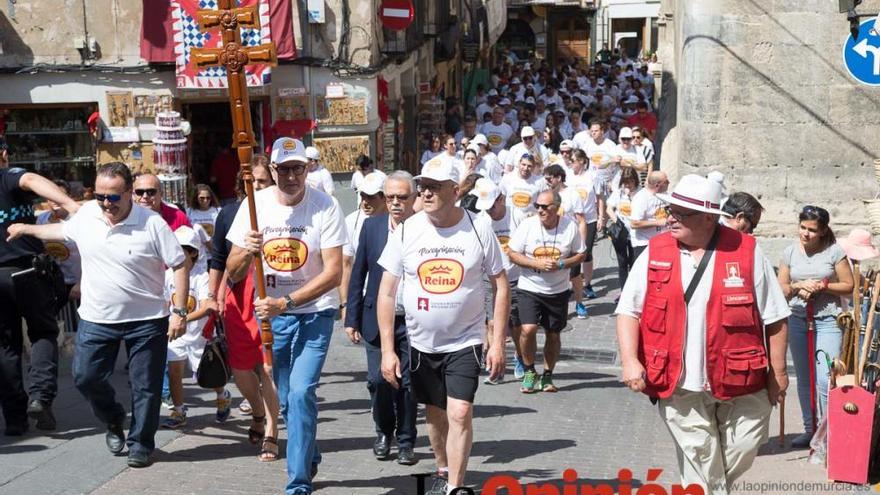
(242, 328)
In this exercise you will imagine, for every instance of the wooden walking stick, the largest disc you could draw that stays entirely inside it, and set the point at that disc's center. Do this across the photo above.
(857, 317)
(782, 421)
(869, 327)
(234, 57)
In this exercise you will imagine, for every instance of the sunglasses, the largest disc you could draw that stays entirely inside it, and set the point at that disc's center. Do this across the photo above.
(204, 198)
(816, 211)
(297, 169)
(626, 139)
(679, 215)
(430, 186)
(113, 198)
(397, 197)
(539, 206)
(144, 192)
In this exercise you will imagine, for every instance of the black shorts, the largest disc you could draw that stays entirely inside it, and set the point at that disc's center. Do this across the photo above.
(447, 374)
(513, 321)
(589, 241)
(548, 310)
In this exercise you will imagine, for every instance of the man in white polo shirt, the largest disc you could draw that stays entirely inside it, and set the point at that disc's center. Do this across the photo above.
(124, 250)
(300, 244)
(443, 253)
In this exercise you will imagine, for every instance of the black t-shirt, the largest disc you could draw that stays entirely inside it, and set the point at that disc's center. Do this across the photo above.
(221, 247)
(16, 206)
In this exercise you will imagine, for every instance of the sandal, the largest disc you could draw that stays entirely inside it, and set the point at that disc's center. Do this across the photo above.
(255, 436)
(269, 450)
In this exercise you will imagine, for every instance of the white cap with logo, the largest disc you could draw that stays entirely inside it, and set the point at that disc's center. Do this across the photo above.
(312, 153)
(440, 170)
(372, 184)
(486, 193)
(527, 131)
(186, 236)
(480, 139)
(288, 149)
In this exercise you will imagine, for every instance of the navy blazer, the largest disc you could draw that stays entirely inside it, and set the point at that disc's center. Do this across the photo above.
(360, 311)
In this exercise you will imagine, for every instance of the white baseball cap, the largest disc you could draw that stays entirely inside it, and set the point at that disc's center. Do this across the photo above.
(493, 92)
(530, 101)
(567, 144)
(526, 131)
(312, 153)
(626, 132)
(372, 184)
(480, 139)
(486, 193)
(288, 149)
(631, 100)
(186, 236)
(440, 170)
(515, 81)
(475, 148)
(504, 102)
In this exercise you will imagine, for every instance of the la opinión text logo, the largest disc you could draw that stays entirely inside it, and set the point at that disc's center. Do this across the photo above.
(503, 484)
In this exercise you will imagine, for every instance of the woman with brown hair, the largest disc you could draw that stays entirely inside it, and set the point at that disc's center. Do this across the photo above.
(814, 273)
(204, 208)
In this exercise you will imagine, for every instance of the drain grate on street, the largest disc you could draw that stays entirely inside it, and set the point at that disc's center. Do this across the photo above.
(589, 355)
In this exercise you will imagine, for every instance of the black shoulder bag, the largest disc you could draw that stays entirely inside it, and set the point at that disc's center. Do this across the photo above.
(214, 370)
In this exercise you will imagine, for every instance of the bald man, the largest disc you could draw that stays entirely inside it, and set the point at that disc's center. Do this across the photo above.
(147, 192)
(648, 216)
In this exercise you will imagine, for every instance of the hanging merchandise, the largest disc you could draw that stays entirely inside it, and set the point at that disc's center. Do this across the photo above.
(170, 155)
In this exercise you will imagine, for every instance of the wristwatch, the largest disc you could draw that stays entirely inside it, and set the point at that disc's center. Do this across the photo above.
(181, 312)
(289, 303)
(560, 263)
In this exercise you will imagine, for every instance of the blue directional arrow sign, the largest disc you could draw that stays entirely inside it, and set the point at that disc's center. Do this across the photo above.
(862, 56)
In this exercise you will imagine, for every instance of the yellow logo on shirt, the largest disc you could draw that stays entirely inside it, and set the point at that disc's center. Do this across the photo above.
(504, 241)
(600, 160)
(521, 199)
(547, 253)
(440, 275)
(660, 214)
(57, 250)
(494, 139)
(626, 209)
(190, 302)
(285, 254)
(209, 228)
(583, 193)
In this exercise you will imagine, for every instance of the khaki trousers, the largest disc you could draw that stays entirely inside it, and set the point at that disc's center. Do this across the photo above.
(716, 441)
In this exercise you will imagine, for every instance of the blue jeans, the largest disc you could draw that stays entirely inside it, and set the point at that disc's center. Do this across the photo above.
(828, 338)
(299, 351)
(146, 343)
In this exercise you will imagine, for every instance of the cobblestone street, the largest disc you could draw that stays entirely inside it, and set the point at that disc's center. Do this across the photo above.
(593, 425)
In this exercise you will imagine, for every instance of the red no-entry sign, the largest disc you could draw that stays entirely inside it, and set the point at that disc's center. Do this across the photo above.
(396, 14)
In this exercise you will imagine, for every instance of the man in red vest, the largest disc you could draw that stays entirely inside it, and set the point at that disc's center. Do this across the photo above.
(691, 326)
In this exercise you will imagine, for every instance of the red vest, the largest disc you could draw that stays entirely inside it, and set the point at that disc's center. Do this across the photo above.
(736, 360)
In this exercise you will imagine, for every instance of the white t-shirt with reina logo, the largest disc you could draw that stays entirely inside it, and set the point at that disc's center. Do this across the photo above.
(589, 189)
(65, 254)
(620, 201)
(601, 158)
(520, 193)
(293, 237)
(205, 218)
(503, 229)
(497, 135)
(572, 204)
(533, 240)
(443, 271)
(646, 206)
(198, 291)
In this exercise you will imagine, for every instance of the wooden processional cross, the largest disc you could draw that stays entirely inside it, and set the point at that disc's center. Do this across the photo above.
(234, 57)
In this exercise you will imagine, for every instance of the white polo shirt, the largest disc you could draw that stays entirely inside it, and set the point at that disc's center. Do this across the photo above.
(123, 265)
(769, 299)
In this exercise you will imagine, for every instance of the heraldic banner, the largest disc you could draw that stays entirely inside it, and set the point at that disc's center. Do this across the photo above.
(188, 36)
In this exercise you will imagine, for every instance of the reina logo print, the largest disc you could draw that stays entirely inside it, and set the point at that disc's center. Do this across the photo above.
(285, 254)
(57, 250)
(547, 252)
(440, 275)
(504, 240)
(521, 199)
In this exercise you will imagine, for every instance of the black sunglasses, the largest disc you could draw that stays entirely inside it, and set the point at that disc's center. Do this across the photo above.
(297, 169)
(397, 197)
(113, 198)
(430, 186)
(150, 192)
(539, 206)
(815, 211)
(679, 215)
